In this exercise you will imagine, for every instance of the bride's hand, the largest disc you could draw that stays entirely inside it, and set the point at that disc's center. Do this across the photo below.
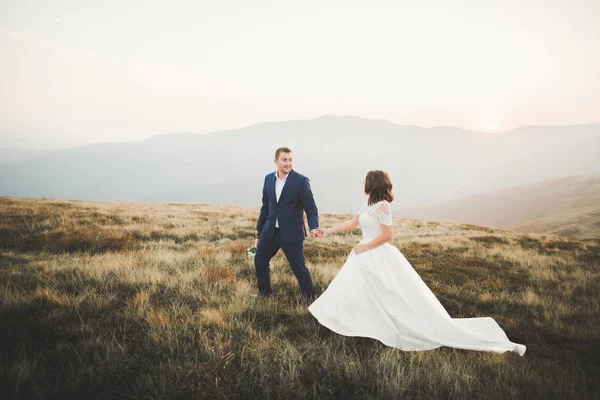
(324, 233)
(359, 248)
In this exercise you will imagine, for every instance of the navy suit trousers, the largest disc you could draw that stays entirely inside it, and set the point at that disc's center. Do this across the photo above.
(294, 252)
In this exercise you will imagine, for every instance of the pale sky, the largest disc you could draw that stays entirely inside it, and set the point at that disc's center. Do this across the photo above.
(76, 72)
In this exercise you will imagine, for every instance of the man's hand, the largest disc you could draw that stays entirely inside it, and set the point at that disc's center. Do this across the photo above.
(314, 233)
(257, 234)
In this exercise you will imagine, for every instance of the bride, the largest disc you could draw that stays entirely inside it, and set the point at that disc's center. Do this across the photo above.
(378, 294)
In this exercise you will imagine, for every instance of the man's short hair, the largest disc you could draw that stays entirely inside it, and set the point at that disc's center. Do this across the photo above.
(282, 150)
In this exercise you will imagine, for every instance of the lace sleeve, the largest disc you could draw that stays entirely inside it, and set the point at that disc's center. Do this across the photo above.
(384, 213)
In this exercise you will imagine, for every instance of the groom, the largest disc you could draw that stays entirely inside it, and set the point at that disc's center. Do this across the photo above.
(286, 195)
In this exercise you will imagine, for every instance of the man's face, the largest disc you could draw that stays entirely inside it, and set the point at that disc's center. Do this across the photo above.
(284, 162)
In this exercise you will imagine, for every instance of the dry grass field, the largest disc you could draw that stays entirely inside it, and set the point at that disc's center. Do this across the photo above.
(125, 300)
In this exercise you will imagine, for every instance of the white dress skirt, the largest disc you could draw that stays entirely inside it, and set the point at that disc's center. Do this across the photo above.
(378, 294)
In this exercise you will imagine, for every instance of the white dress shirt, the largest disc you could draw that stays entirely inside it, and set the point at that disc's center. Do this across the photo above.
(279, 183)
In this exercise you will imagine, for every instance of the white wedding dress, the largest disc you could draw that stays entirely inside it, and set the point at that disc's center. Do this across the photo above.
(378, 294)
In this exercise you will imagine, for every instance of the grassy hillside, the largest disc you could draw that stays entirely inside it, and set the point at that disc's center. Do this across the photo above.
(107, 300)
(567, 207)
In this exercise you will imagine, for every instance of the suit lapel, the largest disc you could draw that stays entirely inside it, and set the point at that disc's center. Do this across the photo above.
(274, 183)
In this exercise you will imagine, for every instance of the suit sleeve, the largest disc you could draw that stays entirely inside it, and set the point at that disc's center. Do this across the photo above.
(308, 203)
(264, 210)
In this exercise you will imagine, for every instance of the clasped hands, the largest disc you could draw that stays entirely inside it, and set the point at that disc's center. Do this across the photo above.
(318, 233)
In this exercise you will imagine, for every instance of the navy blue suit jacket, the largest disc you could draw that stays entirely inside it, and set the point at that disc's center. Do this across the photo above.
(295, 199)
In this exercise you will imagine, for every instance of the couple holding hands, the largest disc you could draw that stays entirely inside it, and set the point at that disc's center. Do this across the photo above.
(377, 293)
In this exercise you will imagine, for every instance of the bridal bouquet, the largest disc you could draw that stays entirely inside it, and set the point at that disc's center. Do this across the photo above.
(251, 251)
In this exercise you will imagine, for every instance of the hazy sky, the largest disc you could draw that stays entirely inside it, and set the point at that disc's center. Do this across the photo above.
(83, 71)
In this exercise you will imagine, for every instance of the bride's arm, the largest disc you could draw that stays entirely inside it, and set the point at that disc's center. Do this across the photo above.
(344, 226)
(385, 236)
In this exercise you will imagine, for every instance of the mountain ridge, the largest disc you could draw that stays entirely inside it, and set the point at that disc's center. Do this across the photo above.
(322, 117)
(427, 165)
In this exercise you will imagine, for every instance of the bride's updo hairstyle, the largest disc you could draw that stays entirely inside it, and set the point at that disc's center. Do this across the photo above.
(378, 186)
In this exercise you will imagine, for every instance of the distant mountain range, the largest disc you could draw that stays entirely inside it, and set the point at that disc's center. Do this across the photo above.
(427, 165)
(567, 207)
